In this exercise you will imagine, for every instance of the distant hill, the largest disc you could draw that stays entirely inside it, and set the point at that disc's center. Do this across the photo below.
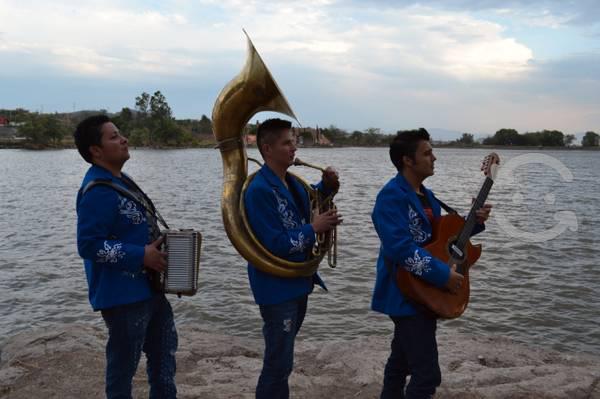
(439, 134)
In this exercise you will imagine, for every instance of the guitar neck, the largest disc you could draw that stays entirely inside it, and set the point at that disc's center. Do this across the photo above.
(467, 230)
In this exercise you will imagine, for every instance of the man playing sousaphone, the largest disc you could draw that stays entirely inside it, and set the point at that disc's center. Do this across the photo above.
(403, 216)
(279, 212)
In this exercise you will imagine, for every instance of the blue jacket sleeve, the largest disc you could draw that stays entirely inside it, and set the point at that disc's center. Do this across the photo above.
(265, 217)
(479, 227)
(97, 215)
(320, 187)
(390, 217)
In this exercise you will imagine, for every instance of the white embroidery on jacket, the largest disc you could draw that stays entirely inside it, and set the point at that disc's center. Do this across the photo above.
(128, 208)
(110, 254)
(417, 264)
(298, 245)
(415, 226)
(286, 215)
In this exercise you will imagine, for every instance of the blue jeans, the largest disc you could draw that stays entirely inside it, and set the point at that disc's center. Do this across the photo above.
(147, 326)
(281, 325)
(414, 353)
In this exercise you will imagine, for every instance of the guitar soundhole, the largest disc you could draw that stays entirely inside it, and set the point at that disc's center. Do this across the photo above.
(455, 252)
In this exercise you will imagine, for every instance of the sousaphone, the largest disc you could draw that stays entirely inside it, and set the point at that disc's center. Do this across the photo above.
(253, 90)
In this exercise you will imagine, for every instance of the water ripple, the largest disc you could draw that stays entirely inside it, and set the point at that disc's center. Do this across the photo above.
(538, 293)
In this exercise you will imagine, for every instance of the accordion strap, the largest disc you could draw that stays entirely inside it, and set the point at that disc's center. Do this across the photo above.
(139, 197)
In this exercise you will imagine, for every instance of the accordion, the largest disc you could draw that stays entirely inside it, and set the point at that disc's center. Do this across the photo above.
(183, 259)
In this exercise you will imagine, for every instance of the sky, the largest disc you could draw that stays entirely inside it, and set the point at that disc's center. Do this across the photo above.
(462, 65)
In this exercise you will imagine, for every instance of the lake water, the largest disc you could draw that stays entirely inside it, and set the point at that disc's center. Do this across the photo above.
(537, 280)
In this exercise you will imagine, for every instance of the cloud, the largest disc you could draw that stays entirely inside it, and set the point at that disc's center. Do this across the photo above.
(551, 13)
(355, 64)
(109, 40)
(119, 41)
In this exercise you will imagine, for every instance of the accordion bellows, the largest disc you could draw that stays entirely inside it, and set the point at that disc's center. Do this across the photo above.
(183, 250)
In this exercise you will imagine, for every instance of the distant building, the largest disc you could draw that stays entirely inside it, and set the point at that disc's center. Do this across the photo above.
(250, 139)
(4, 121)
(308, 136)
(8, 132)
(305, 136)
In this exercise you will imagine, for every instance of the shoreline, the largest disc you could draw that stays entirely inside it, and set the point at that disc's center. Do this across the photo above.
(30, 147)
(42, 363)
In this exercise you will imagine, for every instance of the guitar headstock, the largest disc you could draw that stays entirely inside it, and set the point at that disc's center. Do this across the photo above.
(490, 165)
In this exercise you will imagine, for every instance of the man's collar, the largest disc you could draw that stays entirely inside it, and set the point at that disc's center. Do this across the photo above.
(271, 177)
(107, 169)
(412, 194)
(101, 171)
(404, 183)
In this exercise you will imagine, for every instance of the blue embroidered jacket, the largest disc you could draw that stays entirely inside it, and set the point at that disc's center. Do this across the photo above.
(112, 232)
(280, 219)
(403, 229)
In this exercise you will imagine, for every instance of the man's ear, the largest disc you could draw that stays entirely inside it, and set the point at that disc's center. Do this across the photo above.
(406, 160)
(96, 151)
(266, 150)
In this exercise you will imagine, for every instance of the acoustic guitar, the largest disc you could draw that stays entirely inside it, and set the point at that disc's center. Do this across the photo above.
(450, 244)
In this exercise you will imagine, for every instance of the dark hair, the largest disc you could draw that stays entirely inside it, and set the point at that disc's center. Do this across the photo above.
(405, 144)
(269, 131)
(89, 133)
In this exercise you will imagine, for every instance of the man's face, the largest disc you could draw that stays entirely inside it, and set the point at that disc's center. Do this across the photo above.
(423, 163)
(283, 150)
(113, 149)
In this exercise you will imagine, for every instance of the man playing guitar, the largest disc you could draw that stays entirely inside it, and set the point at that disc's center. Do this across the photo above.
(403, 216)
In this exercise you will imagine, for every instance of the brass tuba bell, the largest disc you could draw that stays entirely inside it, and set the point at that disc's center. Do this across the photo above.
(251, 91)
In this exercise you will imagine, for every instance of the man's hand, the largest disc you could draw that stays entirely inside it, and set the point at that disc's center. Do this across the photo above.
(483, 213)
(331, 179)
(326, 221)
(154, 258)
(455, 281)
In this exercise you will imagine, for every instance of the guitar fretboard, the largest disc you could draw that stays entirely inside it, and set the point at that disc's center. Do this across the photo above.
(467, 230)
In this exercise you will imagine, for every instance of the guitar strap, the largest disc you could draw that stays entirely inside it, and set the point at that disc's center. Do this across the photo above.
(447, 208)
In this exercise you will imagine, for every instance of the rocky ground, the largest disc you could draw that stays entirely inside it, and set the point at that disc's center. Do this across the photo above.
(67, 361)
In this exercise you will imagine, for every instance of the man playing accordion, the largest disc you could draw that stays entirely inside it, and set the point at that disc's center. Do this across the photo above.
(118, 239)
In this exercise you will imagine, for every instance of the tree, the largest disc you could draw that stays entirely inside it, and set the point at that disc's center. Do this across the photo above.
(372, 136)
(504, 137)
(205, 125)
(569, 139)
(33, 130)
(166, 131)
(43, 129)
(552, 138)
(467, 139)
(334, 134)
(142, 103)
(251, 128)
(530, 138)
(124, 119)
(159, 108)
(139, 136)
(548, 138)
(590, 139)
(357, 138)
(54, 129)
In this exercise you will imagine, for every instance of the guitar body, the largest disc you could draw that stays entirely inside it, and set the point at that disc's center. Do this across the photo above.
(439, 300)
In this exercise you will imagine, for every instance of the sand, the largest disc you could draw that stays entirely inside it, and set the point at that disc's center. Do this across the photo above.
(67, 361)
